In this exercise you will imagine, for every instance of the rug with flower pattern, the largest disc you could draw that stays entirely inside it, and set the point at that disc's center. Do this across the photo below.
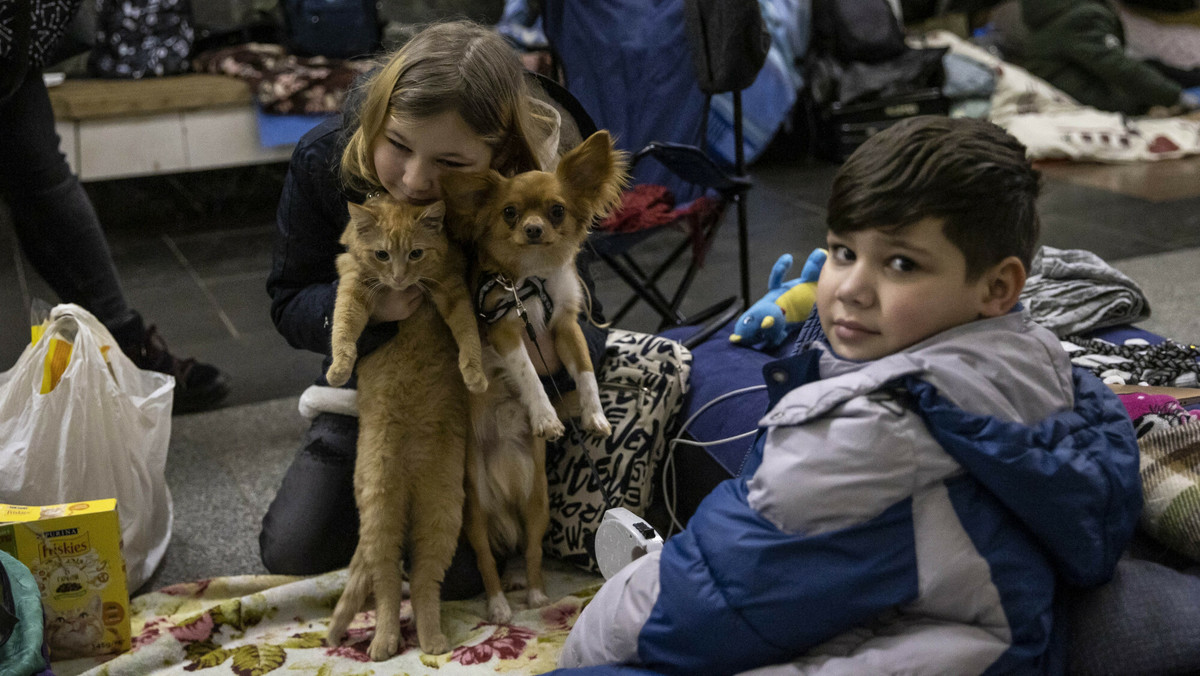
(264, 624)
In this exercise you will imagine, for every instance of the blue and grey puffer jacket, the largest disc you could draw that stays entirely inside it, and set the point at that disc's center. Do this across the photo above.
(911, 515)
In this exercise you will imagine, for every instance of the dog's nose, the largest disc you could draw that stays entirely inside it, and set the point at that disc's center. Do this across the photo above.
(533, 231)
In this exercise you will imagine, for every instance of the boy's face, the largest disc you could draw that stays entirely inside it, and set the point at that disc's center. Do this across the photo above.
(883, 290)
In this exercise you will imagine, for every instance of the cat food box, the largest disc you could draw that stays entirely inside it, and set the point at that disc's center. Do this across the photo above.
(74, 553)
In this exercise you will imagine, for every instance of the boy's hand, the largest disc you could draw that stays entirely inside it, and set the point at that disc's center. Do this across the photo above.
(394, 305)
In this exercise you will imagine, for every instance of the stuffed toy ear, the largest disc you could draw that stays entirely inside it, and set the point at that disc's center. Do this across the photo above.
(595, 174)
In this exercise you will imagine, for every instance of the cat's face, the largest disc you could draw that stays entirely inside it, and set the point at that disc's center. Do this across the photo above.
(74, 631)
(395, 242)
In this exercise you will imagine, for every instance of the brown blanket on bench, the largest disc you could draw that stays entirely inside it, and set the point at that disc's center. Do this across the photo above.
(284, 83)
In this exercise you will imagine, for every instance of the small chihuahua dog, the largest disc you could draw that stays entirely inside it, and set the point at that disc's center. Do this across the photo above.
(527, 230)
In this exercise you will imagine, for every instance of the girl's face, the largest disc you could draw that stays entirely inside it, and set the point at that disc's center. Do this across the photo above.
(411, 157)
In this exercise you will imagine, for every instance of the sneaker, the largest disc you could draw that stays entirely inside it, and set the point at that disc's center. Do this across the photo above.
(198, 386)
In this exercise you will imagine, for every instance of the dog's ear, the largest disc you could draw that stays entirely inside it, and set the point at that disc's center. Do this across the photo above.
(465, 195)
(595, 173)
(434, 215)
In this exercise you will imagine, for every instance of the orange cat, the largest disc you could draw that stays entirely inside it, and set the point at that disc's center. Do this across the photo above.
(390, 243)
(528, 230)
(413, 416)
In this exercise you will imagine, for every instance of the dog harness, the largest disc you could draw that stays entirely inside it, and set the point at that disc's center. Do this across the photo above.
(514, 298)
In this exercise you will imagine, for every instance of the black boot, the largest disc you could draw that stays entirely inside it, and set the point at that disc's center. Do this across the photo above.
(198, 386)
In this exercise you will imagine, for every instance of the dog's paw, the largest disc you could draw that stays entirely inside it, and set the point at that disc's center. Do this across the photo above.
(547, 425)
(499, 611)
(597, 424)
(339, 372)
(537, 598)
(384, 645)
(435, 645)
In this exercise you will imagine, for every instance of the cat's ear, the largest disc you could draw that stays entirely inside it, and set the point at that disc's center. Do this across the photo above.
(595, 173)
(434, 215)
(362, 219)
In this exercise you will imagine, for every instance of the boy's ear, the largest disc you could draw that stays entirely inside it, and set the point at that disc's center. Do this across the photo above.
(1005, 281)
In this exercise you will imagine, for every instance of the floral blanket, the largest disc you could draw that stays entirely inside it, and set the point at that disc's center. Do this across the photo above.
(262, 624)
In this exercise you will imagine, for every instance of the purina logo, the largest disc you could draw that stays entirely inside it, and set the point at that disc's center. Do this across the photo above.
(61, 533)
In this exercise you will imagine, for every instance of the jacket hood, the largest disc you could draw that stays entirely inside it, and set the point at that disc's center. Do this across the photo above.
(1053, 443)
(1072, 478)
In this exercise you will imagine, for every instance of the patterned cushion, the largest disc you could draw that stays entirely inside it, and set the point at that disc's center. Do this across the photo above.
(1170, 466)
(642, 384)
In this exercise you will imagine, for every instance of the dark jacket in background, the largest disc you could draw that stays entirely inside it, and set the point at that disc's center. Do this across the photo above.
(1079, 47)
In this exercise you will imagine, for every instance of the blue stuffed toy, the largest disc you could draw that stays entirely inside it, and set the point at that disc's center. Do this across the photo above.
(786, 303)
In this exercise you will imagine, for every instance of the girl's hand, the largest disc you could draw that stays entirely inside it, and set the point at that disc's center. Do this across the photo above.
(394, 305)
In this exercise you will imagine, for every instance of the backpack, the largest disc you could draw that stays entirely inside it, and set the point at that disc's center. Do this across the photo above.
(338, 29)
(139, 38)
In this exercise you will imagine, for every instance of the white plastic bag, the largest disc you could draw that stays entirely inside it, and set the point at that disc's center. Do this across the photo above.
(100, 433)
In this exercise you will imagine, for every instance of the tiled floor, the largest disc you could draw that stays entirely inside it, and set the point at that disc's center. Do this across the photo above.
(194, 251)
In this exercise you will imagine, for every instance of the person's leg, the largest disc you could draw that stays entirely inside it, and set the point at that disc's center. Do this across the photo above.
(55, 223)
(60, 234)
(1186, 78)
(1143, 621)
(312, 524)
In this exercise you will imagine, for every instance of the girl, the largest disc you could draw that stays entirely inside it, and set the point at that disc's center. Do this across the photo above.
(454, 98)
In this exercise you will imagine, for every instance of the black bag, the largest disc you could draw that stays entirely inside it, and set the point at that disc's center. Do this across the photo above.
(139, 38)
(338, 29)
(857, 30)
(729, 43)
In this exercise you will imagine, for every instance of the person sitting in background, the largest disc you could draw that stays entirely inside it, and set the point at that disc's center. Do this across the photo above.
(1079, 47)
(926, 479)
(55, 222)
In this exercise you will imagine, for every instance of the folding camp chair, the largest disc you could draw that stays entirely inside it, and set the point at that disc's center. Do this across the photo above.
(667, 126)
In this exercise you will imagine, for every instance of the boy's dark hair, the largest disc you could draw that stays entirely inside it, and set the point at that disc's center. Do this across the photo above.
(970, 173)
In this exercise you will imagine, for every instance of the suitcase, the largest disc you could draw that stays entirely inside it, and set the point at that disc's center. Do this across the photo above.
(840, 129)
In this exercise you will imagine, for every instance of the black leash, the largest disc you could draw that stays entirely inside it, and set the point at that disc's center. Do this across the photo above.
(517, 304)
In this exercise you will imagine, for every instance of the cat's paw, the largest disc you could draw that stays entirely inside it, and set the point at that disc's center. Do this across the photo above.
(474, 377)
(536, 598)
(499, 611)
(435, 645)
(339, 372)
(547, 425)
(385, 644)
(597, 424)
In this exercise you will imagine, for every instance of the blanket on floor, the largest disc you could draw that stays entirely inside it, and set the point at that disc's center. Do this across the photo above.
(261, 624)
(1052, 125)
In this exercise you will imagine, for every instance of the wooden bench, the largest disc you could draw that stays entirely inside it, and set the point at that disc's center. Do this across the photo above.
(125, 128)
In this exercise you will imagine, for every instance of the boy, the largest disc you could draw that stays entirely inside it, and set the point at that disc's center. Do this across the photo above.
(923, 478)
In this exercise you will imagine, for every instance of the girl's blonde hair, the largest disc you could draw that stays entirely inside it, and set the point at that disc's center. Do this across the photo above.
(459, 66)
